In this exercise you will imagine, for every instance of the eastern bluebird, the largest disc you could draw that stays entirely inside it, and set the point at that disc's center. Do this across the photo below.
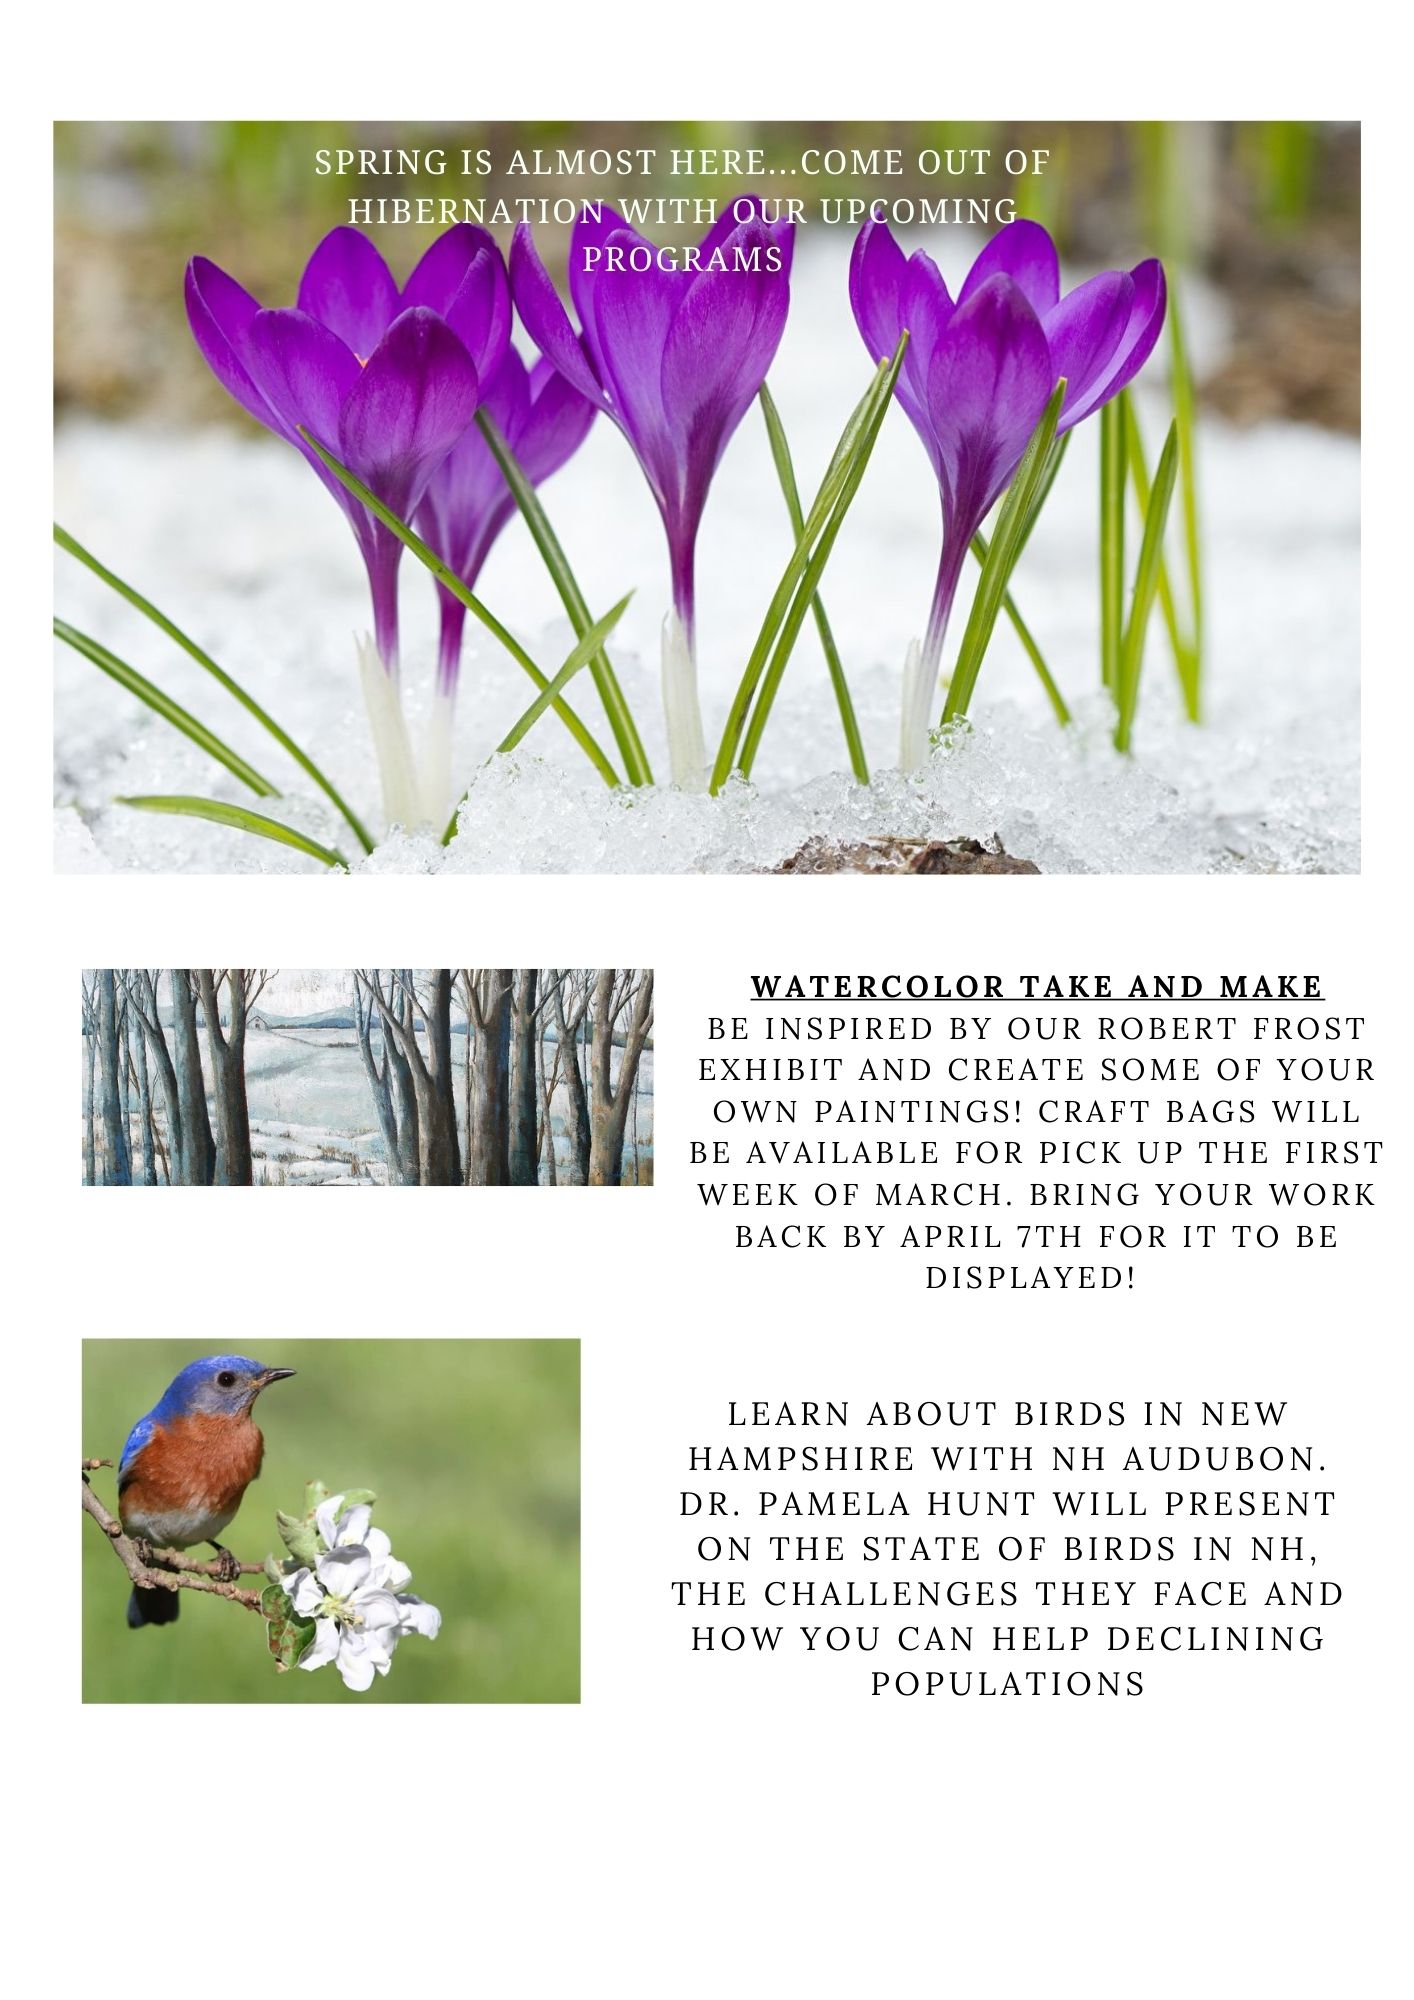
(187, 1463)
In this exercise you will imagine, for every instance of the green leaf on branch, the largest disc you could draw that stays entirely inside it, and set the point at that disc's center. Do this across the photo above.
(286, 1634)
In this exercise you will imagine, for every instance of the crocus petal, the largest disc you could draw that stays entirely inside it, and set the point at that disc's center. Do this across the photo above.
(1023, 252)
(588, 240)
(634, 311)
(745, 208)
(988, 384)
(463, 278)
(720, 345)
(220, 313)
(926, 310)
(467, 503)
(306, 374)
(1084, 330)
(1135, 345)
(876, 277)
(554, 425)
(408, 408)
(546, 320)
(348, 287)
(304, 370)
(437, 276)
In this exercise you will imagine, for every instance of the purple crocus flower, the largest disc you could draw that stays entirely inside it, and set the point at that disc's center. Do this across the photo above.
(387, 380)
(673, 351)
(544, 420)
(979, 371)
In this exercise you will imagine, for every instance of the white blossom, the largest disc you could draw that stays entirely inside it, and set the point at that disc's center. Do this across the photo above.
(355, 1594)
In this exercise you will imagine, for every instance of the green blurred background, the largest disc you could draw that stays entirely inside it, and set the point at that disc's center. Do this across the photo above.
(473, 1449)
(1267, 211)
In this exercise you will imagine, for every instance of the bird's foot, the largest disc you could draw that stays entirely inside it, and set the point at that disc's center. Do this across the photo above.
(228, 1567)
(142, 1549)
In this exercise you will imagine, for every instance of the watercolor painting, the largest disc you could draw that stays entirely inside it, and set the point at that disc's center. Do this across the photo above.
(223, 1076)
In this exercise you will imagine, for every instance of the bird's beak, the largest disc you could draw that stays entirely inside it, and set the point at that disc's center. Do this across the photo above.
(272, 1375)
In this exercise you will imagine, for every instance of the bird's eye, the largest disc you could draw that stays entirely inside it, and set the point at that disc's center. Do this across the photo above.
(225, 1380)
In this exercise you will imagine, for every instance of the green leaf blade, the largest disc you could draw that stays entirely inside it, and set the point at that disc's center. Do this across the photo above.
(1146, 581)
(785, 472)
(172, 712)
(1014, 524)
(532, 509)
(219, 813)
(232, 686)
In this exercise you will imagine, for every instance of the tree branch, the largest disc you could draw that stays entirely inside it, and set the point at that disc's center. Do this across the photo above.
(164, 1569)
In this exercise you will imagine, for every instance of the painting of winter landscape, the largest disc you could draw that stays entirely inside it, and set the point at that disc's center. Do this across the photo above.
(369, 1077)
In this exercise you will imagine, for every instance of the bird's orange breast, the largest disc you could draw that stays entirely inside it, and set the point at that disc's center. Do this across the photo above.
(198, 1462)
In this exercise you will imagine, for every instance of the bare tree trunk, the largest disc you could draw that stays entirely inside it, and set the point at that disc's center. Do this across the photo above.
(380, 1083)
(90, 1037)
(144, 1096)
(424, 1073)
(117, 1161)
(197, 1149)
(615, 993)
(234, 1165)
(491, 993)
(441, 1150)
(405, 1097)
(524, 1095)
(548, 1078)
(572, 991)
(125, 1066)
(142, 999)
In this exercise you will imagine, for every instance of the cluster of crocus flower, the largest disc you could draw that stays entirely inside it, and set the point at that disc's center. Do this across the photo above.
(390, 380)
(675, 357)
(979, 372)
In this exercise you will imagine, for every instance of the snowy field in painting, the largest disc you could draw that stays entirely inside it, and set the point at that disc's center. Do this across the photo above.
(236, 539)
(312, 1118)
(312, 1121)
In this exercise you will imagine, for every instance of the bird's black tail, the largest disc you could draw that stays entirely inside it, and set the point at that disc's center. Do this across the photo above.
(153, 1607)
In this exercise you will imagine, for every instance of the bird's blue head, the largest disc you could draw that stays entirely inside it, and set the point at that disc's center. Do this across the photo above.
(223, 1385)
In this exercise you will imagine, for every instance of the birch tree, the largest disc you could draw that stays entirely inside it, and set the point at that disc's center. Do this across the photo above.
(390, 1080)
(117, 1161)
(402, 1006)
(226, 1045)
(623, 1006)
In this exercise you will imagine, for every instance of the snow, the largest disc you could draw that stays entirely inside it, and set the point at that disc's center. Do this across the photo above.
(234, 538)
